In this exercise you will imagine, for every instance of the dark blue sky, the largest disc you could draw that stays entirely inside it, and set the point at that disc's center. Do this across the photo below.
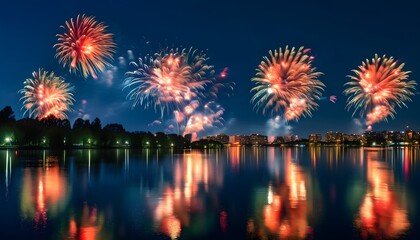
(235, 34)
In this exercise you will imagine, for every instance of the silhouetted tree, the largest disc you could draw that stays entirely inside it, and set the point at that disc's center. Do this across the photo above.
(114, 134)
(7, 115)
(57, 133)
(78, 124)
(96, 130)
(82, 133)
(7, 124)
(96, 124)
(28, 132)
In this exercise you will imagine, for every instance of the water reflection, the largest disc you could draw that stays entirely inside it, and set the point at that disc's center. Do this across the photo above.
(194, 176)
(44, 191)
(8, 172)
(88, 226)
(285, 210)
(234, 156)
(235, 193)
(381, 214)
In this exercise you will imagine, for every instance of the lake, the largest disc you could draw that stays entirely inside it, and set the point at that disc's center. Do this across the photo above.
(233, 193)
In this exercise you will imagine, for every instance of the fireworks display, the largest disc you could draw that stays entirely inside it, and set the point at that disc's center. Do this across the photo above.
(47, 94)
(179, 82)
(169, 80)
(286, 83)
(377, 87)
(85, 46)
(199, 120)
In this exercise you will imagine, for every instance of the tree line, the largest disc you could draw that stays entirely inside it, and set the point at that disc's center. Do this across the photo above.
(59, 133)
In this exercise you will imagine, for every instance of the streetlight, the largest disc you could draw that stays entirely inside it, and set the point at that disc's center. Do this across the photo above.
(8, 140)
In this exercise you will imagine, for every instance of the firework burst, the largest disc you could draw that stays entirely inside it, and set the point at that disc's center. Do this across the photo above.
(199, 120)
(286, 83)
(85, 46)
(169, 80)
(377, 87)
(47, 94)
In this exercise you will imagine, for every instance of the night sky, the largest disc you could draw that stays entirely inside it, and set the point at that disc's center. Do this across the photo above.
(235, 35)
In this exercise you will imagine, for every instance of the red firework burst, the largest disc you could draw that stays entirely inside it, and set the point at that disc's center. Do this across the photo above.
(85, 46)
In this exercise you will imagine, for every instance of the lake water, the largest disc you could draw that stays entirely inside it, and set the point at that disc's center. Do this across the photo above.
(234, 193)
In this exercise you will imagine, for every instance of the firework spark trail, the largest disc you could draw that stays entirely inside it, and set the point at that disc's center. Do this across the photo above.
(169, 80)
(47, 94)
(85, 46)
(377, 114)
(224, 73)
(377, 87)
(285, 81)
(332, 98)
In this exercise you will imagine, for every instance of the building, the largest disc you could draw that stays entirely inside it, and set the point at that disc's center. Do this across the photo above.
(234, 140)
(290, 138)
(334, 137)
(352, 138)
(253, 139)
(239, 140)
(315, 138)
(373, 138)
(257, 139)
(222, 138)
(409, 135)
(278, 140)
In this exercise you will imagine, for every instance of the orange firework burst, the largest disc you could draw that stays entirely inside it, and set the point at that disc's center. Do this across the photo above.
(377, 87)
(287, 83)
(47, 94)
(85, 46)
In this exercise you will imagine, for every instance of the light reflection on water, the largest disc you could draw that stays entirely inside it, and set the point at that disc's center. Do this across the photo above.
(381, 214)
(285, 212)
(254, 193)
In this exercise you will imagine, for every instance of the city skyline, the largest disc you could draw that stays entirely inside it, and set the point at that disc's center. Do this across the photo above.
(105, 99)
